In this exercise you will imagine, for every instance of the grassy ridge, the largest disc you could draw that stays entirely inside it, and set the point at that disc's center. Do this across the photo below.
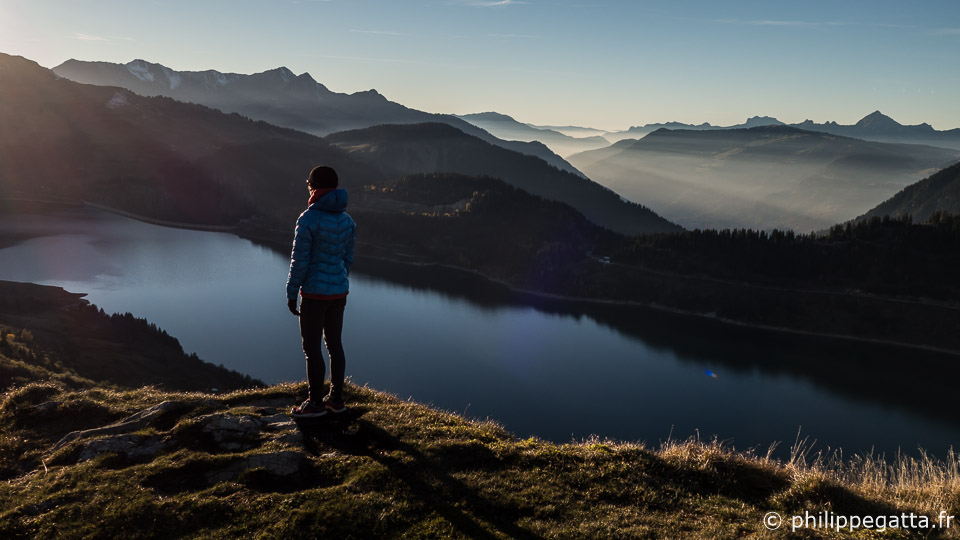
(395, 468)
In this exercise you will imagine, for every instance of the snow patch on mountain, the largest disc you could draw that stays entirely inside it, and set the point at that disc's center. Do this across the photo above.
(118, 100)
(173, 77)
(222, 79)
(140, 70)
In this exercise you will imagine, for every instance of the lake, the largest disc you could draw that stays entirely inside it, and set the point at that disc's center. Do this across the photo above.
(558, 370)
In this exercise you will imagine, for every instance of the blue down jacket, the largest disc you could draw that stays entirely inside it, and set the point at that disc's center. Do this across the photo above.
(322, 248)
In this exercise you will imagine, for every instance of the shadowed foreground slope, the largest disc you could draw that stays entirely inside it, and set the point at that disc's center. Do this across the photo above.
(92, 462)
(145, 463)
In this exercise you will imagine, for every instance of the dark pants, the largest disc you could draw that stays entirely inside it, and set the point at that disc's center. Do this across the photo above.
(323, 319)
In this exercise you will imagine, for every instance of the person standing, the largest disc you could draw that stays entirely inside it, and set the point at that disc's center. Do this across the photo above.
(319, 274)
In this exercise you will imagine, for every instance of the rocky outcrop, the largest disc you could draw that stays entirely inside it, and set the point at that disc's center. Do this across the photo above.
(130, 446)
(231, 432)
(263, 438)
(129, 424)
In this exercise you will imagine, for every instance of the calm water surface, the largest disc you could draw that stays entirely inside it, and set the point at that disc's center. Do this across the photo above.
(559, 370)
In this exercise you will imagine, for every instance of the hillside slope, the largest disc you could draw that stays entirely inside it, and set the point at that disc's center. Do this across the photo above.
(939, 192)
(399, 150)
(152, 156)
(151, 464)
(484, 225)
(62, 336)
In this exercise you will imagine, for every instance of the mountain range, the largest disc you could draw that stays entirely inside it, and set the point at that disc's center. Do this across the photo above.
(794, 191)
(279, 97)
(572, 131)
(167, 159)
(151, 156)
(636, 132)
(765, 177)
(876, 126)
(505, 127)
(401, 150)
(174, 161)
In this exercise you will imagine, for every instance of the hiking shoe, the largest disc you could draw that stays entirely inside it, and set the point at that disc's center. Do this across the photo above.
(308, 410)
(334, 405)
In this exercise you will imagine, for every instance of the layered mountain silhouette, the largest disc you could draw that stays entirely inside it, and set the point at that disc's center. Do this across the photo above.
(486, 225)
(400, 150)
(938, 192)
(175, 161)
(636, 132)
(764, 177)
(573, 131)
(505, 127)
(279, 97)
(152, 156)
(876, 126)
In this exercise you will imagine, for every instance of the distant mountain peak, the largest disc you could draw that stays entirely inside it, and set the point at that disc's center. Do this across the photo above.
(756, 121)
(305, 76)
(371, 93)
(149, 72)
(140, 69)
(877, 120)
(489, 116)
(283, 72)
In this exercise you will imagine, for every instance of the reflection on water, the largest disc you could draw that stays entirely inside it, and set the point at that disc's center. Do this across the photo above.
(555, 369)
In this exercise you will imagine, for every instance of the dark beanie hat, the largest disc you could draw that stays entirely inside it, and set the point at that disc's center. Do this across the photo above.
(323, 178)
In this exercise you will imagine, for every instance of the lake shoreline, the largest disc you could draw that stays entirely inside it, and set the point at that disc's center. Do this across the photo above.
(674, 311)
(269, 238)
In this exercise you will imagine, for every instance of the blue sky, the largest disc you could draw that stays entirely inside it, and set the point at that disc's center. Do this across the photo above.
(606, 64)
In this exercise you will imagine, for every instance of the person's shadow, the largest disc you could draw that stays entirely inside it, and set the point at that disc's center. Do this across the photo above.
(428, 478)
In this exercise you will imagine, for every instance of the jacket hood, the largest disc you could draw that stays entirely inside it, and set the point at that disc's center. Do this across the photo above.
(335, 201)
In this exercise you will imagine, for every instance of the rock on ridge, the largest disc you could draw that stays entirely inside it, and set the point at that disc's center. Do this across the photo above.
(131, 423)
(218, 432)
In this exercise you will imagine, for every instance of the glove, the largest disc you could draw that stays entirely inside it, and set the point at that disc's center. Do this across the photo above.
(292, 306)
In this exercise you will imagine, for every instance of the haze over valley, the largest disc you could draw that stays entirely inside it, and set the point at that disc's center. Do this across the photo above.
(770, 177)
